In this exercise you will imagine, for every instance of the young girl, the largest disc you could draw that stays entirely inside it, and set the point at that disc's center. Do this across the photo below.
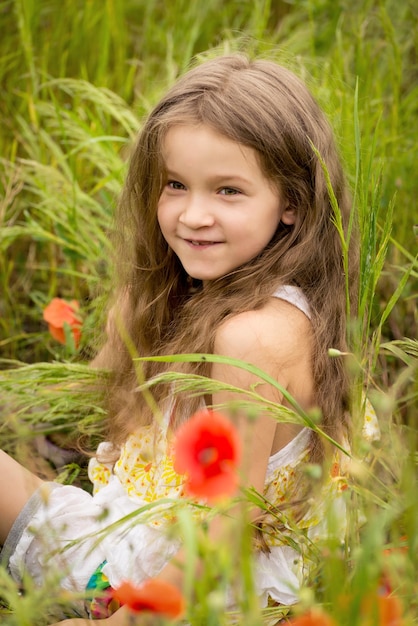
(227, 246)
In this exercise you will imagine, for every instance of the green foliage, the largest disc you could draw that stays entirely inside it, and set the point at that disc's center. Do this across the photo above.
(77, 78)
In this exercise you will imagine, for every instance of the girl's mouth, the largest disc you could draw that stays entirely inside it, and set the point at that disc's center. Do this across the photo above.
(196, 243)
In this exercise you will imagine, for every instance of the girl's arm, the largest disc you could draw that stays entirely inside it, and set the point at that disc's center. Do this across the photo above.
(277, 340)
(17, 485)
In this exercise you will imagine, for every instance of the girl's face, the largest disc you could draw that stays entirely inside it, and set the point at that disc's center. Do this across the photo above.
(217, 210)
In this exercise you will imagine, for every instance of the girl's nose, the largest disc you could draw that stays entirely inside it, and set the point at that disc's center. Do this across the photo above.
(196, 213)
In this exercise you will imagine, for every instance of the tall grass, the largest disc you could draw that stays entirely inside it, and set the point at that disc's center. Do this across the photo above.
(78, 77)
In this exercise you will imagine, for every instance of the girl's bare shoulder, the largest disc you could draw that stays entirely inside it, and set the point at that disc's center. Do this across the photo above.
(279, 328)
(278, 340)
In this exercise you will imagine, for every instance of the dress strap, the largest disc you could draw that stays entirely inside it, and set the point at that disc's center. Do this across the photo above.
(293, 295)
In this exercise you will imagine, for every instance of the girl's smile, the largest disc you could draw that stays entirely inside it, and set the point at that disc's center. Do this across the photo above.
(217, 209)
(202, 244)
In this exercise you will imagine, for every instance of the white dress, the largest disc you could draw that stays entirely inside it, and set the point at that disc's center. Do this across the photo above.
(71, 527)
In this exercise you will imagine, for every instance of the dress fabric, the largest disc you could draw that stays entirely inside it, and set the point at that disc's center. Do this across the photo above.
(126, 521)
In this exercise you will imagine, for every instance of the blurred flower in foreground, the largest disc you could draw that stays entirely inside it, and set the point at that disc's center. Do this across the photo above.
(314, 617)
(382, 610)
(207, 449)
(60, 312)
(377, 608)
(153, 595)
(394, 574)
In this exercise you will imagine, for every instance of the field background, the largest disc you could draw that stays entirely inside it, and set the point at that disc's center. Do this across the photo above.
(78, 77)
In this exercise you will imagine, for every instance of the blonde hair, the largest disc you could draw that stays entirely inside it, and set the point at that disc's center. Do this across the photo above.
(267, 108)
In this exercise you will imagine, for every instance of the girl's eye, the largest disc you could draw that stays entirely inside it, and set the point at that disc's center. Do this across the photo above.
(229, 191)
(175, 184)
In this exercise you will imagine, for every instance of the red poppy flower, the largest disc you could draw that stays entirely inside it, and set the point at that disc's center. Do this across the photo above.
(391, 569)
(401, 549)
(313, 618)
(60, 312)
(153, 595)
(382, 610)
(207, 449)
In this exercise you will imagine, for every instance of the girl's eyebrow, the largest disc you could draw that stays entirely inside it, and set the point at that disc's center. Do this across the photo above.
(219, 178)
(216, 178)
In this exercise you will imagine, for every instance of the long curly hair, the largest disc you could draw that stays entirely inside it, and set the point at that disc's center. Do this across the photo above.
(263, 106)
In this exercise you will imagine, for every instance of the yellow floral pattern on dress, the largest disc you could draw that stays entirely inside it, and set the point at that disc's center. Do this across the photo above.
(148, 480)
(145, 467)
(145, 471)
(282, 485)
(99, 474)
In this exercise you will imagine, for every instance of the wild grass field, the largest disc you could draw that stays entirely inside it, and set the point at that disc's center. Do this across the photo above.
(78, 76)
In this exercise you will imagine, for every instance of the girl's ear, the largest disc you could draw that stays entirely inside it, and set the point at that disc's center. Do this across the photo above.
(288, 216)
